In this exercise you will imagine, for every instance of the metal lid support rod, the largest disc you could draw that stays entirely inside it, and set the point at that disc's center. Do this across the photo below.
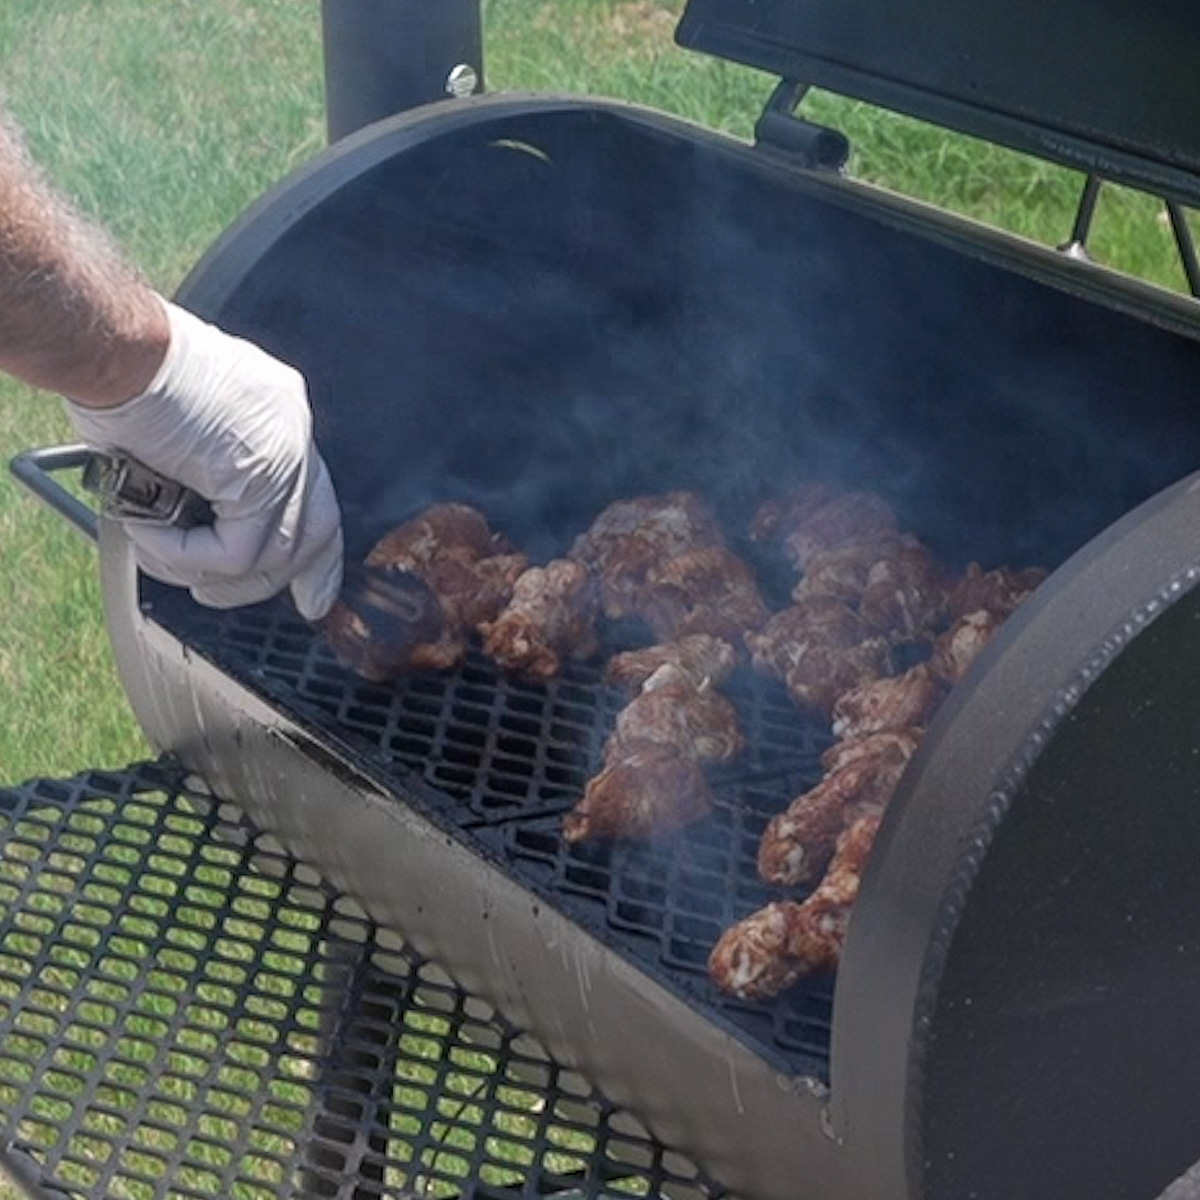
(1185, 244)
(1085, 213)
(383, 57)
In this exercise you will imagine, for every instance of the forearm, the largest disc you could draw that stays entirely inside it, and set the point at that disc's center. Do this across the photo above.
(74, 317)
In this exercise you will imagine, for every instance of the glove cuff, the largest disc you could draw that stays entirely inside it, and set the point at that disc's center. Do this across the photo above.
(171, 372)
(176, 349)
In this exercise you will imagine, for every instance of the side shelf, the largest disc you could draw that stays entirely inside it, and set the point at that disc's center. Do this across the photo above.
(186, 1009)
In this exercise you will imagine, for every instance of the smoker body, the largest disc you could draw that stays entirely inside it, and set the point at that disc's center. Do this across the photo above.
(539, 305)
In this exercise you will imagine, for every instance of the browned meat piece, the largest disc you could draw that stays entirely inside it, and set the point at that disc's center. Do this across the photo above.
(479, 594)
(471, 571)
(663, 559)
(820, 649)
(653, 791)
(440, 532)
(630, 538)
(842, 572)
(768, 951)
(550, 617)
(451, 547)
(815, 683)
(998, 592)
(817, 938)
(794, 631)
(850, 517)
(752, 959)
(893, 702)
(905, 596)
(980, 603)
(890, 579)
(697, 722)
(470, 593)
(797, 844)
(701, 657)
(900, 744)
(651, 782)
(775, 519)
(706, 590)
(956, 649)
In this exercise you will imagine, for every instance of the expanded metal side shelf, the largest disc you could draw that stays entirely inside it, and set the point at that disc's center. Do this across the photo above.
(186, 1010)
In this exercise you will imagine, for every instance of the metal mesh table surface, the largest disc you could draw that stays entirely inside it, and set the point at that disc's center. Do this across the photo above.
(186, 1010)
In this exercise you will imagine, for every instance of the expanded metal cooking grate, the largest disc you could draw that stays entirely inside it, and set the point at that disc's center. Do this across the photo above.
(188, 1011)
(502, 760)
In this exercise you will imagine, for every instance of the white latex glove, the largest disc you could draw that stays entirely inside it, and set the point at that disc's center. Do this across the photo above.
(234, 424)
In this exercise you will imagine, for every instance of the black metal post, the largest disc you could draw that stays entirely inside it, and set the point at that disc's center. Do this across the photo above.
(385, 56)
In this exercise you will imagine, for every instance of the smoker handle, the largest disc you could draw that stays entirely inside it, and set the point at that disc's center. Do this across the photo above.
(35, 470)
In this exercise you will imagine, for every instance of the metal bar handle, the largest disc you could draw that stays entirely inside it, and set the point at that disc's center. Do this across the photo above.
(35, 469)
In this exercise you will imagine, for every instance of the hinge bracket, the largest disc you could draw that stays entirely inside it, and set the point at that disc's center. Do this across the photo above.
(803, 142)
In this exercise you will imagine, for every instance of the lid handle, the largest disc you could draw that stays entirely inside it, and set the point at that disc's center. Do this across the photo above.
(803, 142)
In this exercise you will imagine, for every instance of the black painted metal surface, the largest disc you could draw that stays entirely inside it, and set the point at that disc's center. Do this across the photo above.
(385, 56)
(187, 1010)
(1076, 957)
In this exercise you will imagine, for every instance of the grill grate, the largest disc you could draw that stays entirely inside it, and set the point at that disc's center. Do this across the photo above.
(187, 1011)
(502, 760)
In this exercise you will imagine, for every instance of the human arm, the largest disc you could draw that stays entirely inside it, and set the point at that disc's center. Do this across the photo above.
(143, 376)
(74, 317)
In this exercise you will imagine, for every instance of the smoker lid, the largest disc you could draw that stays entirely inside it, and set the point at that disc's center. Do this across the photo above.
(1105, 87)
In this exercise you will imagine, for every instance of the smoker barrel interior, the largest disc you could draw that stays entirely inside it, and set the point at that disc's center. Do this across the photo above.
(538, 306)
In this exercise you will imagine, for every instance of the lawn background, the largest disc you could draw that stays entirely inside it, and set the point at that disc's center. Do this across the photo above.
(164, 121)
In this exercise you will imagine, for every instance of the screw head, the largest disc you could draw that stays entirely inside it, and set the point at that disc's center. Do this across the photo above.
(462, 81)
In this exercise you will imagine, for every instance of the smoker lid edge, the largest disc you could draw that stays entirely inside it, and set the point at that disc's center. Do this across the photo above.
(1060, 82)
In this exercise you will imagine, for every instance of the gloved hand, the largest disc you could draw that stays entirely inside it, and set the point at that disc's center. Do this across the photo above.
(234, 424)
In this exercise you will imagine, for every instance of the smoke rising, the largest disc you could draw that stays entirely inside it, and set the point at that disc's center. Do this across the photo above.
(635, 308)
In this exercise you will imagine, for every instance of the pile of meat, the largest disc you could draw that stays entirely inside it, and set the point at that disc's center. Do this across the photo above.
(868, 598)
(876, 633)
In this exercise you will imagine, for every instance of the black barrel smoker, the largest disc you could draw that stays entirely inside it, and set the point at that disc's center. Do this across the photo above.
(539, 304)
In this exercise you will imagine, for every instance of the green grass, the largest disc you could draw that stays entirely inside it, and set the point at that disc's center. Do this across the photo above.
(164, 121)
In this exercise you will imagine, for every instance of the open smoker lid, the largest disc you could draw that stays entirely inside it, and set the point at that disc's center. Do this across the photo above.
(1106, 87)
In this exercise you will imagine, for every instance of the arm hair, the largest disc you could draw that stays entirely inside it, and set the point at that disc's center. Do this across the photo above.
(75, 318)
